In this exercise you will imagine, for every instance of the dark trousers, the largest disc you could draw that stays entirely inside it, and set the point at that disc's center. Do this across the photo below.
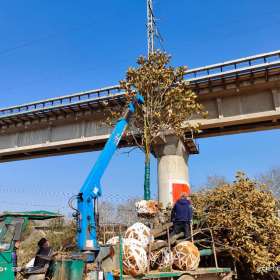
(182, 227)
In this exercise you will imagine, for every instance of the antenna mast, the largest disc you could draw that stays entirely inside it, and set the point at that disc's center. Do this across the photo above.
(150, 26)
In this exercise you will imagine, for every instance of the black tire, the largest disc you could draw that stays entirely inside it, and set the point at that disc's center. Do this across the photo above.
(186, 277)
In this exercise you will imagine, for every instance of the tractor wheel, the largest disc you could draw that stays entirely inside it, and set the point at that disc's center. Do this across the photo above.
(186, 277)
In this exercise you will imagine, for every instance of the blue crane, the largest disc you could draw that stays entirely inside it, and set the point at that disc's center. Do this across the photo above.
(91, 189)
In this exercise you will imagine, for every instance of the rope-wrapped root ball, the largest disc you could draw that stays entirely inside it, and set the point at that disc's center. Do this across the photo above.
(147, 207)
(162, 259)
(113, 241)
(139, 232)
(135, 261)
(186, 256)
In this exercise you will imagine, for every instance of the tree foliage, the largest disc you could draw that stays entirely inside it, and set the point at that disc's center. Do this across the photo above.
(244, 220)
(169, 102)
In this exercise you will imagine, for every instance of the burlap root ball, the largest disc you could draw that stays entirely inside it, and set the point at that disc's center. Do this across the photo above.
(161, 259)
(135, 261)
(113, 241)
(139, 232)
(149, 207)
(186, 256)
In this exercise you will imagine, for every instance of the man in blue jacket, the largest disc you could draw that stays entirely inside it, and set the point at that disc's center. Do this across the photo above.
(181, 216)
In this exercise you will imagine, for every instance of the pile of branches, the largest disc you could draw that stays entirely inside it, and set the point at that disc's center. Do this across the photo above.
(243, 216)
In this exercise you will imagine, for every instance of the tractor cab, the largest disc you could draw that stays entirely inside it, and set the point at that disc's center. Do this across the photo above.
(12, 225)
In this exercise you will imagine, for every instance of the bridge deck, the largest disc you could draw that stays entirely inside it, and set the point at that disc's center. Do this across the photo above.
(240, 95)
(207, 76)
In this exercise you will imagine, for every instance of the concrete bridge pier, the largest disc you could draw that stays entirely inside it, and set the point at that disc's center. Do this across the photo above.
(173, 170)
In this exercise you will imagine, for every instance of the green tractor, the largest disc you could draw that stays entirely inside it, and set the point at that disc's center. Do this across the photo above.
(12, 224)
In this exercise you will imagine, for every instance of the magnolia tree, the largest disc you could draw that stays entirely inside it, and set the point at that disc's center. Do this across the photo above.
(169, 103)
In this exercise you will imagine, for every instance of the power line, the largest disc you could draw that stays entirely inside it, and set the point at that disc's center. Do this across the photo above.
(37, 191)
(31, 42)
(32, 204)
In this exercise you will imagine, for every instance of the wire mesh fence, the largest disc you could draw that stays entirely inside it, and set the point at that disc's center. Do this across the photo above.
(112, 208)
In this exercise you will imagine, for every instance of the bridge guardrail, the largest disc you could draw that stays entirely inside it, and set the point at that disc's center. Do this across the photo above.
(233, 68)
(61, 101)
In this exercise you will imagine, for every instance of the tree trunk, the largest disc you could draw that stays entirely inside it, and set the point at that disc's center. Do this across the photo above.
(147, 184)
(147, 149)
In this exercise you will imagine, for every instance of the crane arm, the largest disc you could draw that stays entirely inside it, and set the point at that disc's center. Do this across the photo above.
(86, 228)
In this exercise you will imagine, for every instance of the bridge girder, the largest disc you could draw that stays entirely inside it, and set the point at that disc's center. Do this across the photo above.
(238, 100)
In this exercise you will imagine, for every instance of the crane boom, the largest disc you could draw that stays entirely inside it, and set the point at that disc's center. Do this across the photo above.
(91, 189)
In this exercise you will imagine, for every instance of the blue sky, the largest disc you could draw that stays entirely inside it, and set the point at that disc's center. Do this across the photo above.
(51, 48)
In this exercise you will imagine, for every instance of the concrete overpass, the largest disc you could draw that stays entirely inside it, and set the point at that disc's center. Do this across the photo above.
(240, 95)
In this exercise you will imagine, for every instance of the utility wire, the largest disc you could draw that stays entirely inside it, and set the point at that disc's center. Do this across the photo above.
(42, 38)
(37, 191)
(33, 204)
(70, 71)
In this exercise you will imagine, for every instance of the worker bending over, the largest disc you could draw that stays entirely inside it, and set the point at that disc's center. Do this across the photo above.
(43, 259)
(181, 215)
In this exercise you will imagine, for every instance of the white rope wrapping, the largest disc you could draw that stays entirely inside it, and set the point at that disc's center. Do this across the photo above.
(141, 233)
(135, 260)
(186, 256)
(147, 207)
(162, 259)
(113, 241)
